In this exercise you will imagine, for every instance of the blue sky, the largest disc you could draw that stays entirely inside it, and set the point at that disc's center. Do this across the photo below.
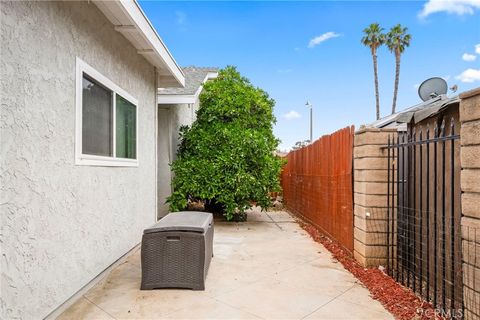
(271, 44)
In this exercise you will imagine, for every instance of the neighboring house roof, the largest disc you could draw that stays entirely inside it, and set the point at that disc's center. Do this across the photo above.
(195, 77)
(280, 153)
(129, 19)
(416, 113)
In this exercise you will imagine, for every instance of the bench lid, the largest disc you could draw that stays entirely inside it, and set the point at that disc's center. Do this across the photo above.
(193, 221)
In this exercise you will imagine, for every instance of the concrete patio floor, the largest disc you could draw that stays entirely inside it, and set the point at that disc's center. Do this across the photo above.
(266, 268)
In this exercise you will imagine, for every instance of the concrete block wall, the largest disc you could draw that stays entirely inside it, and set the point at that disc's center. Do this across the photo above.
(470, 184)
(370, 195)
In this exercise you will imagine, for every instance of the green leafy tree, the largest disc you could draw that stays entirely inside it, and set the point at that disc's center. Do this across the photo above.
(397, 40)
(227, 156)
(374, 38)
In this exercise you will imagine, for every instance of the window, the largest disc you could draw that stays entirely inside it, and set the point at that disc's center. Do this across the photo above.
(106, 121)
(126, 129)
(97, 119)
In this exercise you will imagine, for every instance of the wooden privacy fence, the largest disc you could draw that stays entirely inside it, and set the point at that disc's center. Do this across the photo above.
(317, 184)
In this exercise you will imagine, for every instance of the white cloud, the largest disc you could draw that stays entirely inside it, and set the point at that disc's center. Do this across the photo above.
(180, 17)
(469, 57)
(446, 78)
(321, 38)
(477, 49)
(292, 115)
(469, 75)
(458, 7)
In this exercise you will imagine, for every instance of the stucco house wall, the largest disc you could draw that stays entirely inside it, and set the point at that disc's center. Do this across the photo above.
(170, 118)
(182, 115)
(63, 224)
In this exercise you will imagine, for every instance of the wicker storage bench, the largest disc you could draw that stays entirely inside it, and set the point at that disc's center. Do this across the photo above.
(176, 251)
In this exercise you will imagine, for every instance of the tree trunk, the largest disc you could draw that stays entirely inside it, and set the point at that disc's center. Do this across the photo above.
(397, 78)
(375, 75)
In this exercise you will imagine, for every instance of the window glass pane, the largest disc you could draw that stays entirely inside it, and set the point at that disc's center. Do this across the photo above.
(126, 130)
(97, 119)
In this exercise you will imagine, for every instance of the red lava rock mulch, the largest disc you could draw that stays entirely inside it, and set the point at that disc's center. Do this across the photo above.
(398, 300)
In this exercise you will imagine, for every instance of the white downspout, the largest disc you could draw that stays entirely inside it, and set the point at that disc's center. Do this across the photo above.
(156, 141)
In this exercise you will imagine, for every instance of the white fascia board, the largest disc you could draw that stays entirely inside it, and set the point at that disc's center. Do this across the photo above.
(209, 76)
(185, 98)
(176, 98)
(138, 21)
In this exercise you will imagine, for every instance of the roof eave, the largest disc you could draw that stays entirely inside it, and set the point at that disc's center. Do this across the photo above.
(185, 98)
(417, 112)
(176, 98)
(130, 20)
(210, 75)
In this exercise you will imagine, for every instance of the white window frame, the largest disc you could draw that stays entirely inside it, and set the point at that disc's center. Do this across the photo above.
(93, 160)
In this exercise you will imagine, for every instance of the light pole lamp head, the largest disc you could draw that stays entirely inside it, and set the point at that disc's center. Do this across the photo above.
(310, 106)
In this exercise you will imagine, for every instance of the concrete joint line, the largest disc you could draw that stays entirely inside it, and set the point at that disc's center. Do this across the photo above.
(334, 298)
(96, 305)
(237, 308)
(274, 221)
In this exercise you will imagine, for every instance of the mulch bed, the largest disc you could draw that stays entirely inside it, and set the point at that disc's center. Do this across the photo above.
(397, 299)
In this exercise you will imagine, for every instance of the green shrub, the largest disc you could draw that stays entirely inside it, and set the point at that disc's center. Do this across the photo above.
(227, 156)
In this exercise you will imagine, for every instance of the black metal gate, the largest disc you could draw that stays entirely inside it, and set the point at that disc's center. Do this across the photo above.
(423, 217)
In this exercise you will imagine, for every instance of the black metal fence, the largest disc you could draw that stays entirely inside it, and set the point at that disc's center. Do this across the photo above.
(424, 241)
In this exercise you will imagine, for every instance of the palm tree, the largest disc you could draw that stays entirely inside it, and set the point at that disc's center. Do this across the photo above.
(397, 40)
(374, 38)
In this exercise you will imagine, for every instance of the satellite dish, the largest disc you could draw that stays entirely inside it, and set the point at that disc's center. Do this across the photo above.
(432, 88)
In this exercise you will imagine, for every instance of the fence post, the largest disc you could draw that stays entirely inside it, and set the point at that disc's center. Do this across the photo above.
(470, 185)
(371, 195)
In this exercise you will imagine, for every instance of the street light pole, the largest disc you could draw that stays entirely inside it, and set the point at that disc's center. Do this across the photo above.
(309, 105)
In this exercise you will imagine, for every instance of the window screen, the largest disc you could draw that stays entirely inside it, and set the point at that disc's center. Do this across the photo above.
(97, 119)
(126, 129)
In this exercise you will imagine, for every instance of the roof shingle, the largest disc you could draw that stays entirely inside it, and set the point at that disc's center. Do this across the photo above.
(194, 78)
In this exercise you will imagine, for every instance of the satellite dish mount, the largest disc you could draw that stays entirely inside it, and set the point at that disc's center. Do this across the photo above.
(432, 88)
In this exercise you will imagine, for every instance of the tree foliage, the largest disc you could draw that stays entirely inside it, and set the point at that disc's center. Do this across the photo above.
(398, 40)
(374, 38)
(227, 155)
